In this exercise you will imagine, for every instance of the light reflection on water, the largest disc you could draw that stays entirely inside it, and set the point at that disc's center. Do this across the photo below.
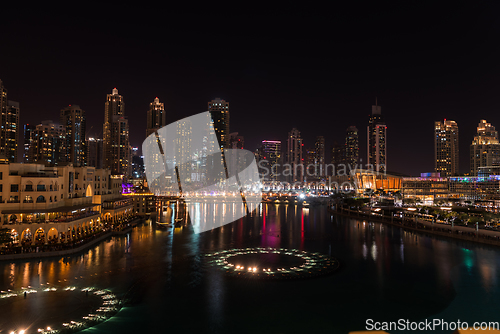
(385, 274)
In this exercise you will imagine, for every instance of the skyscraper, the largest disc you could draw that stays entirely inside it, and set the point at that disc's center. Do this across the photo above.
(219, 110)
(116, 145)
(485, 148)
(446, 148)
(338, 158)
(319, 148)
(29, 138)
(3, 96)
(311, 165)
(47, 144)
(73, 119)
(377, 140)
(237, 162)
(294, 159)
(156, 117)
(9, 128)
(270, 151)
(94, 152)
(10, 131)
(351, 146)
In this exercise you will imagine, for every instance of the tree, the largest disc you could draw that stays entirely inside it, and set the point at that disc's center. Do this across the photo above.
(409, 201)
(5, 236)
(474, 219)
(463, 217)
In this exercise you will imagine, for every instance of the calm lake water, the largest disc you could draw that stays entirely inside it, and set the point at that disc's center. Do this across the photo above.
(386, 274)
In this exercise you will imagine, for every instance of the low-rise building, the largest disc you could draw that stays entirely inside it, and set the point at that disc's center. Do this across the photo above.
(42, 204)
(426, 188)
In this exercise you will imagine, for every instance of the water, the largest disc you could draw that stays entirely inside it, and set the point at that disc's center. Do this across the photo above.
(386, 274)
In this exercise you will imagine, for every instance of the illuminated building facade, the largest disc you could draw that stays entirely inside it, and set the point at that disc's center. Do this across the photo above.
(47, 144)
(295, 161)
(446, 148)
(116, 145)
(94, 152)
(477, 189)
(271, 152)
(50, 205)
(319, 148)
(426, 188)
(9, 130)
(219, 110)
(485, 148)
(73, 119)
(137, 164)
(156, 117)
(311, 164)
(377, 140)
(143, 201)
(352, 146)
(29, 137)
(370, 179)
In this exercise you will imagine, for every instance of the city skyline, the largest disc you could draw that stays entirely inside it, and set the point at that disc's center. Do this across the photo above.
(315, 77)
(345, 158)
(465, 168)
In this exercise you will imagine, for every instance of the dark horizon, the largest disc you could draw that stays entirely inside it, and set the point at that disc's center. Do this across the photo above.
(316, 70)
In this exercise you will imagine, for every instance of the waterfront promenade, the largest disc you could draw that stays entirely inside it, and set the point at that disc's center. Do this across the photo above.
(67, 249)
(422, 226)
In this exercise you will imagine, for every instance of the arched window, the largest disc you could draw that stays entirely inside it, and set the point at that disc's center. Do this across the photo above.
(29, 186)
(40, 199)
(40, 186)
(28, 199)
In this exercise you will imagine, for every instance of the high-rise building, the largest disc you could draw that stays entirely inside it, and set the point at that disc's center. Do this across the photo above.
(446, 148)
(116, 145)
(10, 131)
(235, 141)
(137, 164)
(312, 168)
(319, 148)
(295, 161)
(352, 146)
(9, 127)
(3, 96)
(485, 148)
(94, 152)
(338, 158)
(377, 140)
(270, 151)
(47, 144)
(237, 160)
(29, 137)
(156, 117)
(219, 110)
(73, 119)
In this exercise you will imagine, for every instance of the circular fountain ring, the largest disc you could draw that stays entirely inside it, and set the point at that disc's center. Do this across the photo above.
(109, 305)
(272, 263)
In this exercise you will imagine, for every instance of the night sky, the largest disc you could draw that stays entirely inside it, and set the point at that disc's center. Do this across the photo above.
(315, 68)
